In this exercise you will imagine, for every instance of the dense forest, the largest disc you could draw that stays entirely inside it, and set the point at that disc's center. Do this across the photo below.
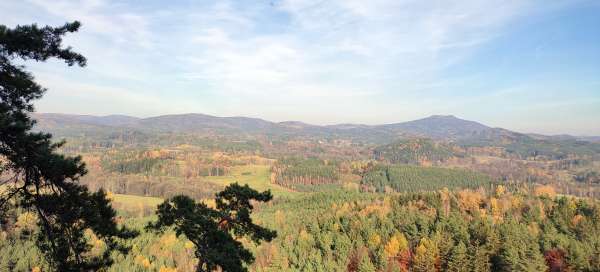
(406, 178)
(436, 231)
(464, 230)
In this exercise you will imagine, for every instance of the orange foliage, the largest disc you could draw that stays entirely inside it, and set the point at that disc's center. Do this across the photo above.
(470, 200)
(545, 190)
(167, 269)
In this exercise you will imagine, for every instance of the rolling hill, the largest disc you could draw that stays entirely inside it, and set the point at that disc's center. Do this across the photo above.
(437, 127)
(445, 128)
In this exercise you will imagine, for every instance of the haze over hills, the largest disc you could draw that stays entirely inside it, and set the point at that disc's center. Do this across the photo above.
(440, 127)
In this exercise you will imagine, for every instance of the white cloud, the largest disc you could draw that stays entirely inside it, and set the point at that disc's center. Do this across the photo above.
(375, 61)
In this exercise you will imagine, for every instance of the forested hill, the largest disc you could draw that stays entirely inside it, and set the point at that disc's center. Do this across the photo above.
(437, 127)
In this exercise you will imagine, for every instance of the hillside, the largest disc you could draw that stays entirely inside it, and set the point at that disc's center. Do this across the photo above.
(446, 127)
(414, 151)
(439, 128)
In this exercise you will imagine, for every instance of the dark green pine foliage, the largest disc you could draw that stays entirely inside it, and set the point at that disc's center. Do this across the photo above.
(296, 172)
(519, 251)
(40, 179)
(214, 232)
(408, 178)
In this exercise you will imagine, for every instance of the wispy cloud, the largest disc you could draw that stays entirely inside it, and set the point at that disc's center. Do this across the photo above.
(375, 61)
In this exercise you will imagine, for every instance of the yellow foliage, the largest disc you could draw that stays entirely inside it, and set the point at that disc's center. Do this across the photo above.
(167, 269)
(26, 220)
(516, 202)
(110, 195)
(143, 261)
(396, 243)
(188, 245)
(168, 240)
(146, 263)
(497, 209)
(374, 240)
(426, 255)
(420, 250)
(211, 203)
(336, 226)
(500, 190)
(380, 210)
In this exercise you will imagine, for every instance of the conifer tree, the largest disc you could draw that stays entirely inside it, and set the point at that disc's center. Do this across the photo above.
(519, 251)
(40, 179)
(479, 259)
(459, 260)
(215, 233)
(365, 264)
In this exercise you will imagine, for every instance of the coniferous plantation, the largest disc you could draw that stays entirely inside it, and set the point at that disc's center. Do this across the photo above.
(197, 192)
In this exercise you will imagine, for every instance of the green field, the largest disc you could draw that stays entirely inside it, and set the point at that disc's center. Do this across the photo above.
(256, 176)
(131, 200)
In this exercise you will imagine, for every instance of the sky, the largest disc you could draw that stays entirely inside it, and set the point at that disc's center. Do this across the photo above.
(529, 66)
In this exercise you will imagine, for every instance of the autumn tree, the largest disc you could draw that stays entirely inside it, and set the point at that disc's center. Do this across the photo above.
(37, 178)
(426, 256)
(398, 251)
(215, 232)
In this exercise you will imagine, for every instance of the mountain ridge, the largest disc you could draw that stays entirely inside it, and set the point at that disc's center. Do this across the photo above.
(440, 127)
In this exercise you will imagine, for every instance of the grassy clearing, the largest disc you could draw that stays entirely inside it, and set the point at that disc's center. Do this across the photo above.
(257, 177)
(133, 200)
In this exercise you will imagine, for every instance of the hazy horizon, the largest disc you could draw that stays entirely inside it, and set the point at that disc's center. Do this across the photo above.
(528, 66)
(324, 124)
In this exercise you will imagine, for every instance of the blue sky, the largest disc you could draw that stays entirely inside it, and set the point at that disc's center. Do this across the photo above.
(530, 66)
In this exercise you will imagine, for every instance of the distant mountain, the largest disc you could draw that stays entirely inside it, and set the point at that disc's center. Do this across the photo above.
(72, 119)
(201, 122)
(591, 138)
(565, 137)
(437, 127)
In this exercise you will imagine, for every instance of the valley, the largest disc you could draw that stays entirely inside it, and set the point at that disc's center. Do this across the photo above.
(351, 197)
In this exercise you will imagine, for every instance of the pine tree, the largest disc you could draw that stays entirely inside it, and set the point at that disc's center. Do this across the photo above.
(42, 180)
(459, 260)
(520, 251)
(479, 259)
(215, 232)
(365, 264)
